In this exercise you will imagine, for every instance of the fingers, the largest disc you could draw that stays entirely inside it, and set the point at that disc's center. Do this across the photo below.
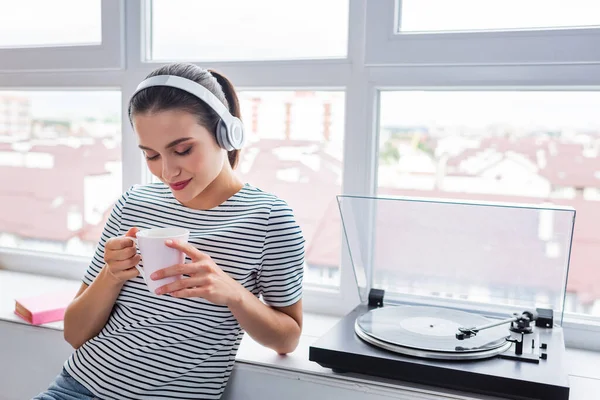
(120, 255)
(122, 242)
(180, 269)
(196, 292)
(187, 249)
(181, 284)
(121, 250)
(117, 266)
(124, 254)
(119, 243)
(129, 273)
(127, 254)
(132, 232)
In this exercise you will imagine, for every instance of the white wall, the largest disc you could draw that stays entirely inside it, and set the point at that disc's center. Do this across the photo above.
(262, 383)
(31, 357)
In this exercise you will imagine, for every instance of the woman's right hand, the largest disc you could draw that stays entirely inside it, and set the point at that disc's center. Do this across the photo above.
(121, 256)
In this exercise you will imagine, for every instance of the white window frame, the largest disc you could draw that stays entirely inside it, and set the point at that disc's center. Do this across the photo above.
(107, 55)
(386, 46)
(373, 63)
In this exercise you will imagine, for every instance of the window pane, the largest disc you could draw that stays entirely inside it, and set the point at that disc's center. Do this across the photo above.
(294, 150)
(524, 147)
(469, 15)
(60, 168)
(248, 30)
(38, 23)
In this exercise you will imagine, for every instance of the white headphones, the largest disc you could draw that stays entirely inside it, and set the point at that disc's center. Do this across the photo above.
(230, 130)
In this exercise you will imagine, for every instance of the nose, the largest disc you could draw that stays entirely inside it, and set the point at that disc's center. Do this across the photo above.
(170, 169)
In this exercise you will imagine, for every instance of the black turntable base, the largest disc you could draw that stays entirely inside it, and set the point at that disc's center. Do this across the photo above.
(342, 350)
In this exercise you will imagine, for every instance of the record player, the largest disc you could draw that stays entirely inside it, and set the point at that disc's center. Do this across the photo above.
(454, 294)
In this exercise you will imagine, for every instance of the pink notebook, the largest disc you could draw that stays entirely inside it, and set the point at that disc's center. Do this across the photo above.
(44, 308)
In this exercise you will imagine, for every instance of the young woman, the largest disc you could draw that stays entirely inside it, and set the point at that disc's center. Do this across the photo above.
(131, 344)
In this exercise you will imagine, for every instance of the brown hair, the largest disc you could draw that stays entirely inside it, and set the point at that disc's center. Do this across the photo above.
(162, 98)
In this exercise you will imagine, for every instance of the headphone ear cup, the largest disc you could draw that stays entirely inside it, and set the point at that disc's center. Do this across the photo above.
(230, 137)
(236, 134)
(221, 135)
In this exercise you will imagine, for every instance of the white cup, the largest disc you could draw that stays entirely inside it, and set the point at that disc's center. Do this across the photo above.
(156, 255)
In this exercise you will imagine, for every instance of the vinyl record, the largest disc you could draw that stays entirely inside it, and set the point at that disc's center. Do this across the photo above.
(430, 332)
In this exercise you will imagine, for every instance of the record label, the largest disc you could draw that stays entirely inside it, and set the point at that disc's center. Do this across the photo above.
(430, 326)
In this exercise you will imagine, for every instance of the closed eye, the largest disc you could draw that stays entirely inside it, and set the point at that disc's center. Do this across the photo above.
(185, 152)
(179, 153)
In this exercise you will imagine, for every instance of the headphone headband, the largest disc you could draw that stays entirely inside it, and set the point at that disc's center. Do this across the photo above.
(230, 133)
(192, 88)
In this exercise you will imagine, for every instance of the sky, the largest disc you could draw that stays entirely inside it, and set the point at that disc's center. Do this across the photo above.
(33, 22)
(451, 15)
(74, 104)
(552, 109)
(249, 29)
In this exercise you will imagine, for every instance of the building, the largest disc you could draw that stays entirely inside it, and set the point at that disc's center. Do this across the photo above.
(15, 116)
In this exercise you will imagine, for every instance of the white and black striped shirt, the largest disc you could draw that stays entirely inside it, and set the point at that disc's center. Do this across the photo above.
(162, 347)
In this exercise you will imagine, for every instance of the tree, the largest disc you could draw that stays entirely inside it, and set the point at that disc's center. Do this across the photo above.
(389, 154)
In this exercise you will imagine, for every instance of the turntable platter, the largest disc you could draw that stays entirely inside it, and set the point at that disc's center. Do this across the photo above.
(430, 332)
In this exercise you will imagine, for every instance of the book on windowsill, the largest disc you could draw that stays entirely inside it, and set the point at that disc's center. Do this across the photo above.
(44, 308)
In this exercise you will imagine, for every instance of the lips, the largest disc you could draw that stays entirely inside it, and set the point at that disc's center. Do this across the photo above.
(179, 185)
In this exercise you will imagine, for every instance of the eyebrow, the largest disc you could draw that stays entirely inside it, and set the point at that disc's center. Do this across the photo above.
(173, 143)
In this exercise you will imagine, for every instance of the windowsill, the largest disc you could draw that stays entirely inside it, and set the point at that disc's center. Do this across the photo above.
(252, 355)
(16, 284)
(19, 285)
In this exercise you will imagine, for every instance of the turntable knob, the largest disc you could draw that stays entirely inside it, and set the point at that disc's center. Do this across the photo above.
(544, 346)
(544, 356)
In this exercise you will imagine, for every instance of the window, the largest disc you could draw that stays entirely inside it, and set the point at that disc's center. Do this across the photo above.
(471, 15)
(330, 93)
(294, 150)
(510, 146)
(39, 35)
(472, 32)
(40, 23)
(229, 30)
(60, 168)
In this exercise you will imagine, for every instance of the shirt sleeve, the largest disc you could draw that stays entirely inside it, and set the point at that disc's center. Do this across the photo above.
(111, 229)
(282, 270)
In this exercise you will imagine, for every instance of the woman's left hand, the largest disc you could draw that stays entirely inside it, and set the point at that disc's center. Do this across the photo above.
(205, 280)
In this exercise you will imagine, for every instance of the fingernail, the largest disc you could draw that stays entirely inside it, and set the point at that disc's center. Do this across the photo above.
(158, 291)
(154, 276)
(169, 241)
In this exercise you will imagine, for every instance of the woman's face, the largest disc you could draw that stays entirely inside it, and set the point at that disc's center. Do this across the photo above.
(179, 151)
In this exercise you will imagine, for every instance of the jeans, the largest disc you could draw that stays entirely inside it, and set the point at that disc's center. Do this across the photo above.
(65, 387)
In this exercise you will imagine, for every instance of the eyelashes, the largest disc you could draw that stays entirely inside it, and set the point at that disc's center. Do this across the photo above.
(185, 152)
(181, 154)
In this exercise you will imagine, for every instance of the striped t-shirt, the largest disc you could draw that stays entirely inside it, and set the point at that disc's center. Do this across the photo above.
(162, 347)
